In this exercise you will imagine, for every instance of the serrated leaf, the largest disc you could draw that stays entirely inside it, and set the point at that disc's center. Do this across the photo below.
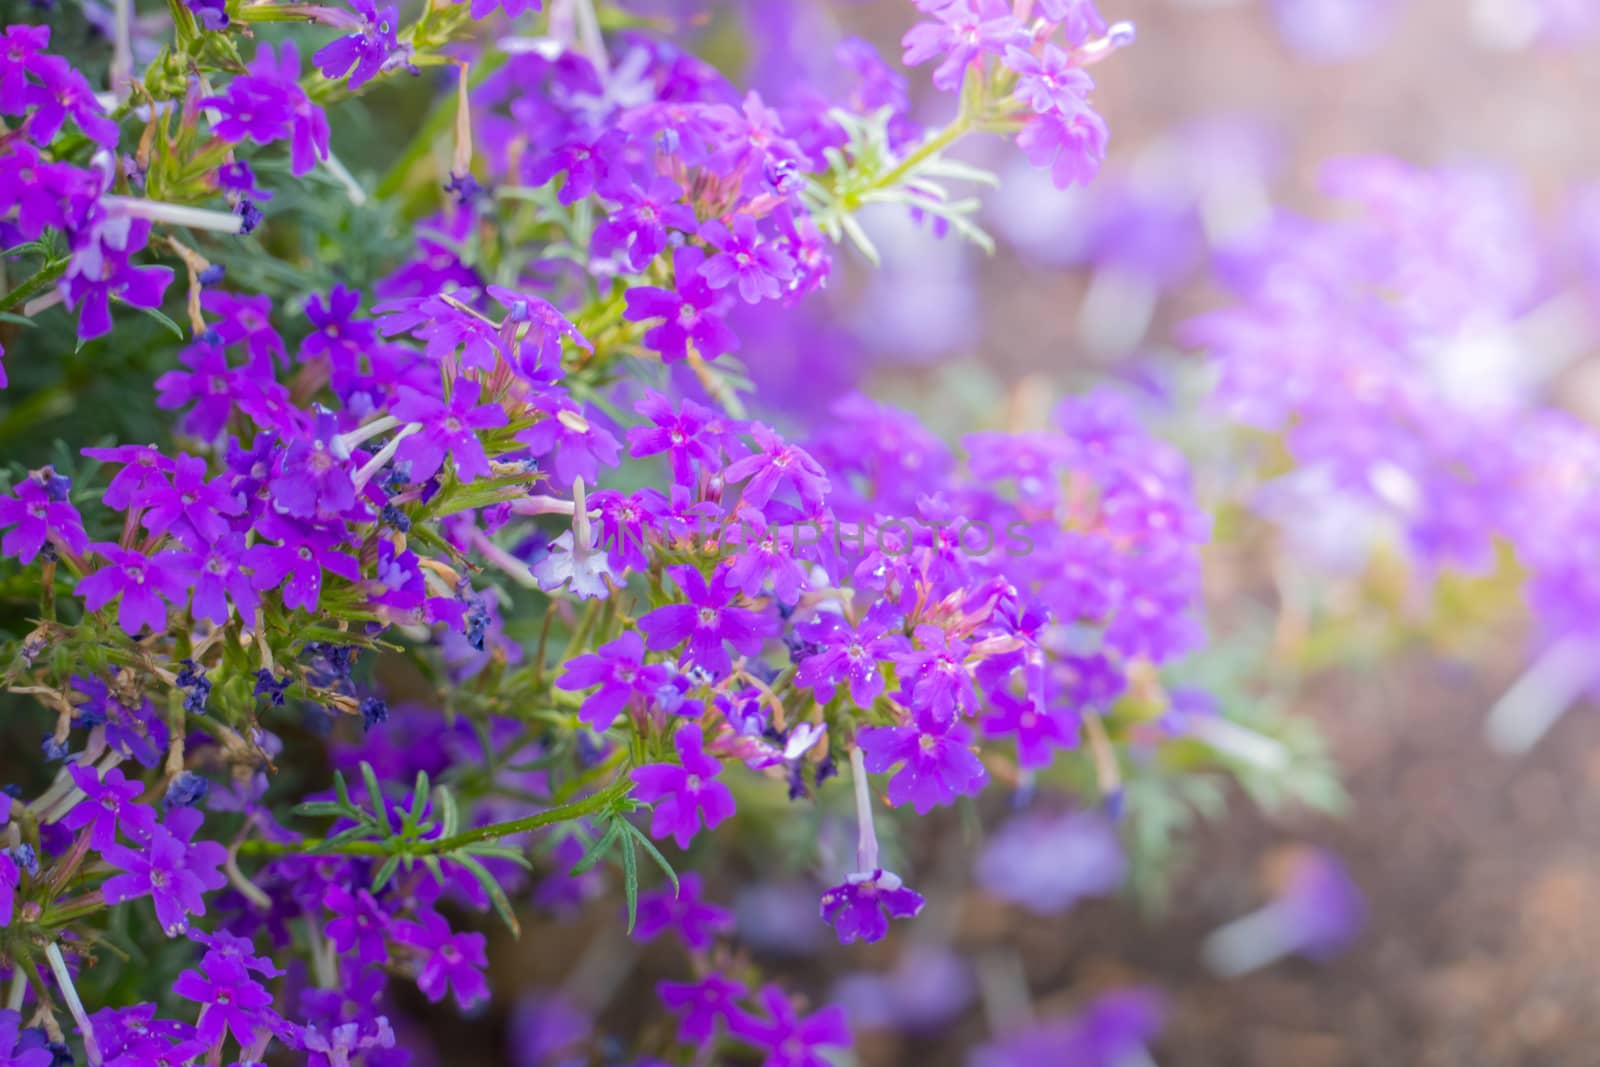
(497, 896)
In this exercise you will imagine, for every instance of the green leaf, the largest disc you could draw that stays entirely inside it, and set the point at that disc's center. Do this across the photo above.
(596, 852)
(320, 809)
(419, 796)
(341, 789)
(655, 854)
(499, 852)
(177, 331)
(380, 810)
(630, 878)
(449, 814)
(385, 872)
(497, 896)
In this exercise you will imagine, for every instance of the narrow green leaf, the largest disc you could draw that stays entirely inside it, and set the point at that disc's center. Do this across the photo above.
(630, 879)
(341, 789)
(380, 810)
(177, 331)
(596, 852)
(449, 814)
(318, 809)
(385, 872)
(655, 854)
(419, 796)
(497, 896)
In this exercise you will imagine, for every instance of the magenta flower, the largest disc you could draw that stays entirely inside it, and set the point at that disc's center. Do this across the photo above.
(618, 668)
(297, 563)
(139, 581)
(191, 509)
(1040, 731)
(639, 223)
(706, 622)
(10, 880)
(314, 480)
(173, 870)
(110, 802)
(962, 32)
(358, 925)
(269, 105)
(683, 795)
(835, 653)
(533, 329)
(10, 1028)
(1049, 82)
(937, 676)
(583, 163)
(230, 1000)
(447, 960)
(862, 905)
(935, 761)
(1072, 144)
(447, 426)
(787, 1039)
(702, 1005)
(339, 336)
(775, 464)
(570, 444)
(683, 911)
(216, 574)
(688, 312)
(38, 515)
(143, 471)
(366, 50)
(63, 92)
(755, 262)
(691, 436)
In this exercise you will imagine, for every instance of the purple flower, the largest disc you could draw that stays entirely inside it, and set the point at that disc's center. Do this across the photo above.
(1048, 862)
(367, 49)
(702, 1005)
(638, 224)
(191, 509)
(963, 32)
(37, 517)
(862, 905)
(691, 436)
(583, 570)
(706, 622)
(269, 105)
(143, 472)
(787, 1039)
(775, 464)
(212, 14)
(1049, 82)
(1071, 143)
(297, 563)
(357, 925)
(533, 330)
(10, 879)
(618, 668)
(765, 552)
(584, 164)
(839, 653)
(688, 312)
(314, 480)
(446, 960)
(1112, 1029)
(110, 802)
(935, 760)
(62, 92)
(10, 1028)
(684, 911)
(141, 582)
(231, 1001)
(682, 795)
(1040, 731)
(217, 575)
(447, 426)
(172, 869)
(339, 336)
(570, 444)
(1316, 914)
(937, 676)
(756, 263)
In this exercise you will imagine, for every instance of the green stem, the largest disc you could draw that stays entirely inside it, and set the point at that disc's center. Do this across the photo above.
(576, 809)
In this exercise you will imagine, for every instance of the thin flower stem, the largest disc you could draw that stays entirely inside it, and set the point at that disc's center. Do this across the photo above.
(867, 841)
(69, 993)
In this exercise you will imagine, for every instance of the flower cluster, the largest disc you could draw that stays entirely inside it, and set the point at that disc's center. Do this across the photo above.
(462, 582)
